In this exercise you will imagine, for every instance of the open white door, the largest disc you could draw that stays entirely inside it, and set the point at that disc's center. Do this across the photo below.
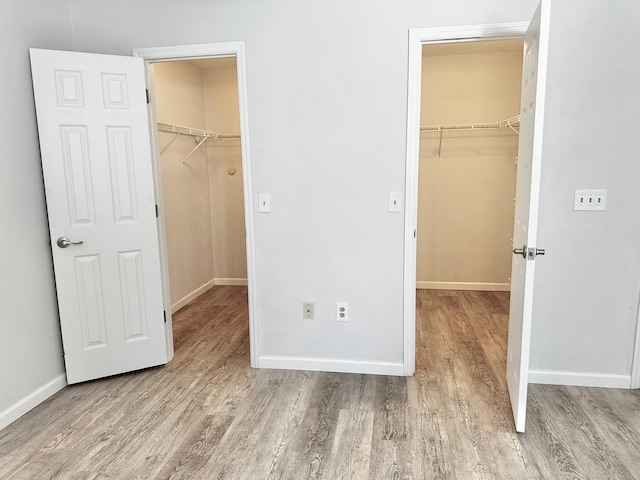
(97, 167)
(526, 213)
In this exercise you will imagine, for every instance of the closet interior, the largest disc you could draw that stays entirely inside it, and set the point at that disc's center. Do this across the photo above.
(467, 173)
(196, 105)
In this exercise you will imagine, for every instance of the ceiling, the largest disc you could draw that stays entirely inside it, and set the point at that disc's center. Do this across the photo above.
(466, 48)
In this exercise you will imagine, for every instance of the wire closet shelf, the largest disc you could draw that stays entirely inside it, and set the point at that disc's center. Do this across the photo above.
(510, 126)
(200, 136)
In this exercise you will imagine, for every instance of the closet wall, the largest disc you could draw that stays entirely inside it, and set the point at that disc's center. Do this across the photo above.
(467, 181)
(225, 176)
(203, 206)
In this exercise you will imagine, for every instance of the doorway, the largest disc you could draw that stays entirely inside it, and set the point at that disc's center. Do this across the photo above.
(196, 103)
(470, 102)
(231, 52)
(418, 38)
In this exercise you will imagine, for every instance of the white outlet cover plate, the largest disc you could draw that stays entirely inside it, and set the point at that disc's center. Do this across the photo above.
(342, 312)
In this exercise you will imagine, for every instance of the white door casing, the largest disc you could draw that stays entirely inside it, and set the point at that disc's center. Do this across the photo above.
(521, 305)
(195, 52)
(417, 38)
(534, 73)
(96, 161)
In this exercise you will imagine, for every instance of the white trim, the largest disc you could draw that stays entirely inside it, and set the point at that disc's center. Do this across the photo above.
(192, 296)
(418, 37)
(189, 52)
(231, 281)
(32, 400)
(579, 379)
(331, 365)
(478, 286)
(237, 50)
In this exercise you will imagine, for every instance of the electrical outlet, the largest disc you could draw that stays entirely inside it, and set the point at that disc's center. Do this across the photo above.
(308, 310)
(342, 312)
(590, 200)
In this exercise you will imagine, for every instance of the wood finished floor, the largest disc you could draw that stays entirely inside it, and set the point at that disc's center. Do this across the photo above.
(208, 415)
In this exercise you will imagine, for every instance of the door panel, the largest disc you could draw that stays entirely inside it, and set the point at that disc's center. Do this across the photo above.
(526, 213)
(96, 161)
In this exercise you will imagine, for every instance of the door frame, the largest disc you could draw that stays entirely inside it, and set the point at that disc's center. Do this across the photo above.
(199, 52)
(417, 38)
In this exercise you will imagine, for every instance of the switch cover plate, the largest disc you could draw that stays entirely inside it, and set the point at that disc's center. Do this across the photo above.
(264, 202)
(395, 202)
(594, 200)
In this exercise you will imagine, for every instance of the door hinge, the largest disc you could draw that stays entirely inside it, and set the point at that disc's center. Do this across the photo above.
(148, 96)
(164, 312)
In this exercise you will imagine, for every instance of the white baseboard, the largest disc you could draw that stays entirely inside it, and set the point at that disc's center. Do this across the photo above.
(486, 287)
(330, 365)
(32, 400)
(231, 281)
(192, 296)
(579, 379)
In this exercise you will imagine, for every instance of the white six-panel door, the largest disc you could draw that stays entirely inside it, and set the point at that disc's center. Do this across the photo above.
(96, 160)
(526, 212)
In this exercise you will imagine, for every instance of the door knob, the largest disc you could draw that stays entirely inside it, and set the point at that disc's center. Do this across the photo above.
(64, 242)
(521, 251)
(532, 253)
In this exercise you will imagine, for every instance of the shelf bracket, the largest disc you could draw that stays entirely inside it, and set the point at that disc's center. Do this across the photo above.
(204, 139)
(175, 137)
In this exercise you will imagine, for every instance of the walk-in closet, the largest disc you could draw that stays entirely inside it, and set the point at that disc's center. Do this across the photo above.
(467, 174)
(196, 105)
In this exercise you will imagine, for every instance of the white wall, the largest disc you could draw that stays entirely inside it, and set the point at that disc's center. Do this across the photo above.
(31, 363)
(586, 289)
(467, 180)
(327, 101)
(179, 99)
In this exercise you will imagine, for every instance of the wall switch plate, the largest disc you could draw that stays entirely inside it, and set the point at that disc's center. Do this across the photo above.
(308, 310)
(264, 202)
(342, 312)
(590, 200)
(395, 202)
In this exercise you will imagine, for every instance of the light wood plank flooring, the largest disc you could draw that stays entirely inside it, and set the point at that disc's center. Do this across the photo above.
(208, 415)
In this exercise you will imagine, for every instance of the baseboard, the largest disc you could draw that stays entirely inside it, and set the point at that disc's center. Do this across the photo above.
(231, 281)
(32, 400)
(579, 379)
(330, 365)
(192, 296)
(487, 287)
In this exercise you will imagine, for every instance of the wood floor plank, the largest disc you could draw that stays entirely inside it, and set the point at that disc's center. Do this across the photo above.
(209, 415)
